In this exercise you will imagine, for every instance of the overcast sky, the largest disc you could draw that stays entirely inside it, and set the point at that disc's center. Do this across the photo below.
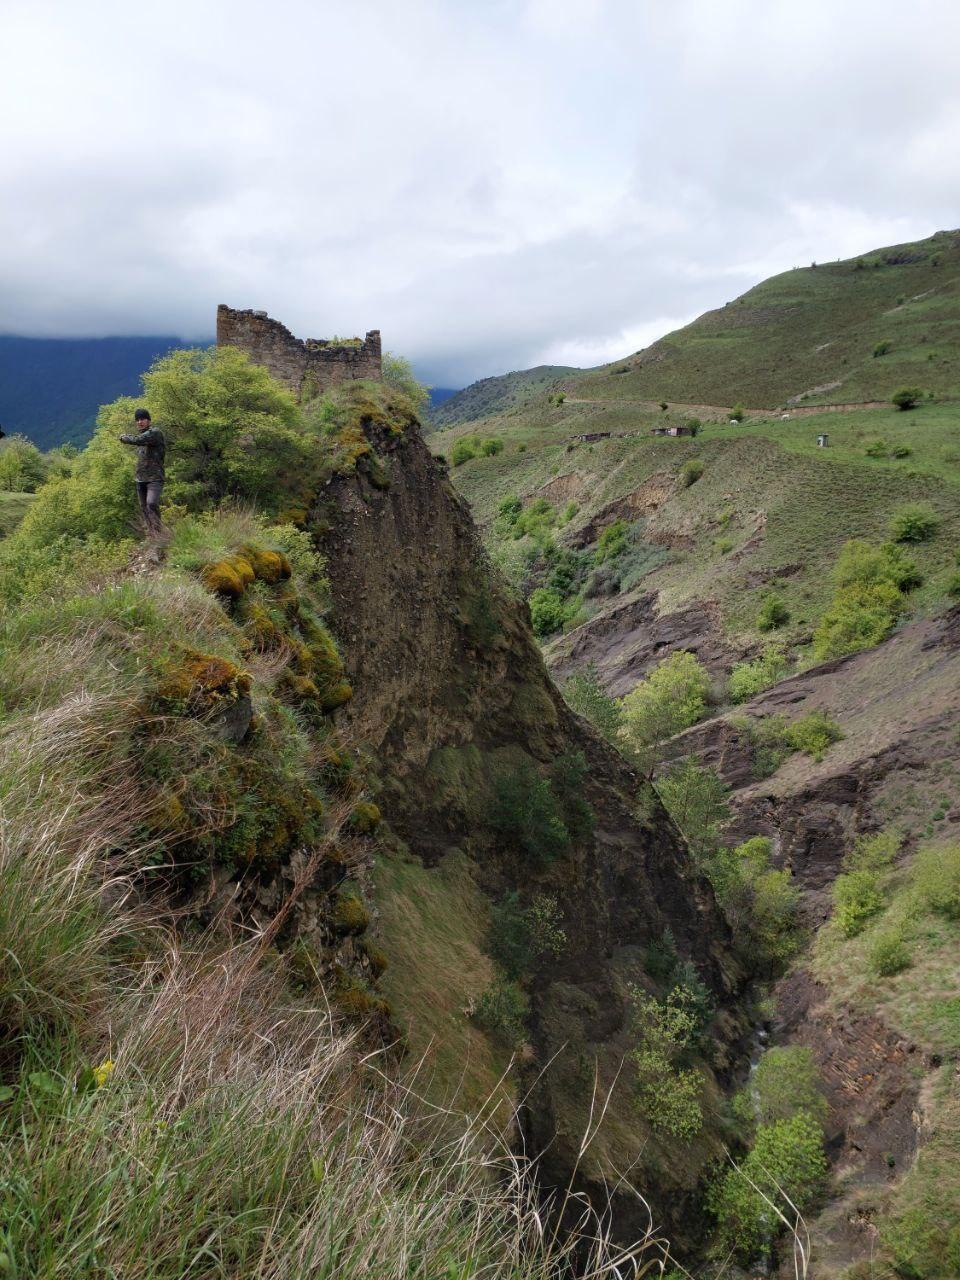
(492, 183)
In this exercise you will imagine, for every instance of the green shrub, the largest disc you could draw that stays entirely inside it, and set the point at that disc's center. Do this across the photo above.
(888, 954)
(464, 449)
(874, 852)
(907, 397)
(568, 777)
(723, 545)
(747, 679)
(612, 541)
(491, 446)
(690, 472)
(549, 611)
(738, 413)
(882, 348)
(786, 1163)
(813, 734)
(667, 1092)
(773, 614)
(901, 451)
(397, 371)
(857, 898)
(787, 1081)
(672, 697)
(863, 564)
(914, 523)
(527, 815)
(936, 880)
(697, 800)
(585, 695)
(502, 1011)
(693, 425)
(859, 617)
(877, 449)
(23, 467)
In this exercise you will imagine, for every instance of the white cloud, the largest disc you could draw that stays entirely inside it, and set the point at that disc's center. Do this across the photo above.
(491, 185)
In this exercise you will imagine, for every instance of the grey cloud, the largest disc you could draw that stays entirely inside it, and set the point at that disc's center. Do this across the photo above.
(491, 185)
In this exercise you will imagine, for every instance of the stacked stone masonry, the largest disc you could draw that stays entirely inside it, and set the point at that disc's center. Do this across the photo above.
(305, 367)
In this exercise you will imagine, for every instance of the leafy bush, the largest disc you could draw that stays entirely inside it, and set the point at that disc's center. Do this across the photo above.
(936, 880)
(568, 777)
(612, 541)
(549, 611)
(738, 413)
(697, 800)
(787, 1081)
(867, 602)
(874, 852)
(786, 1160)
(877, 449)
(23, 467)
(813, 734)
(888, 954)
(520, 935)
(690, 472)
(671, 698)
(861, 563)
(857, 898)
(502, 1011)
(914, 523)
(491, 446)
(667, 1092)
(773, 614)
(398, 373)
(464, 449)
(723, 545)
(907, 397)
(882, 348)
(760, 903)
(901, 451)
(747, 679)
(585, 695)
(527, 815)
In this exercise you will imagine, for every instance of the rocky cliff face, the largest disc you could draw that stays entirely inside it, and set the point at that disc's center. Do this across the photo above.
(451, 694)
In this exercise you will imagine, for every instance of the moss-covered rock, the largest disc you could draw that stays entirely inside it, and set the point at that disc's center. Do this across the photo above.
(365, 817)
(350, 915)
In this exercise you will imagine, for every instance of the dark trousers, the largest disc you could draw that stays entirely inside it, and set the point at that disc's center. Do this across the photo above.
(148, 495)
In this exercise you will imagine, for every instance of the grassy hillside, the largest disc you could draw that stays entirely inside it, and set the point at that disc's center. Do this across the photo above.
(810, 332)
(770, 511)
(496, 395)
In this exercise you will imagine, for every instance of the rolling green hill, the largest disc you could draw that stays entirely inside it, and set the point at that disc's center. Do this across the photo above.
(813, 333)
(497, 395)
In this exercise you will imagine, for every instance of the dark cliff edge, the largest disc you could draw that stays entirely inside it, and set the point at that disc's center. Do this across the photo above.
(452, 692)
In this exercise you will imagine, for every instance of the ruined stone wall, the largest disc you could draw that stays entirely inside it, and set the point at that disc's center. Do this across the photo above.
(305, 366)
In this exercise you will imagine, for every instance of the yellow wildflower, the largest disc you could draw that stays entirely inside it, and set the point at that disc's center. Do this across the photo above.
(104, 1073)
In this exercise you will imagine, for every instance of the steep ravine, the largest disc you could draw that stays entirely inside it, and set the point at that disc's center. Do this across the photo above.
(450, 688)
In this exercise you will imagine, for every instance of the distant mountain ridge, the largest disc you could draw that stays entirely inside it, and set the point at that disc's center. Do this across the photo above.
(51, 388)
(498, 394)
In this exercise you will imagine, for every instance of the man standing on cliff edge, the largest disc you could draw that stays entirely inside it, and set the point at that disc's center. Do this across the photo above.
(150, 473)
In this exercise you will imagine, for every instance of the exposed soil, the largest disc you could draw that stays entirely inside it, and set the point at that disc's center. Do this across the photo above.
(630, 637)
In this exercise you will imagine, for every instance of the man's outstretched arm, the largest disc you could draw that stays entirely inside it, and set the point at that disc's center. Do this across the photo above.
(151, 436)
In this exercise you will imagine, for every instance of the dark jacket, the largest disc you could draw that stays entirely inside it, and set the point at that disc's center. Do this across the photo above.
(153, 449)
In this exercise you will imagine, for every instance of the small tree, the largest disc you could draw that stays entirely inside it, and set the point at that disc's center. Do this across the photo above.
(882, 348)
(916, 522)
(398, 373)
(738, 413)
(907, 397)
(671, 698)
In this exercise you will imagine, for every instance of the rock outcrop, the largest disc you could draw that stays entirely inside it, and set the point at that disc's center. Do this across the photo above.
(452, 693)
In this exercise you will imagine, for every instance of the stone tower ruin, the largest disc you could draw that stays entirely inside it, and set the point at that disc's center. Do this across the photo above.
(303, 366)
